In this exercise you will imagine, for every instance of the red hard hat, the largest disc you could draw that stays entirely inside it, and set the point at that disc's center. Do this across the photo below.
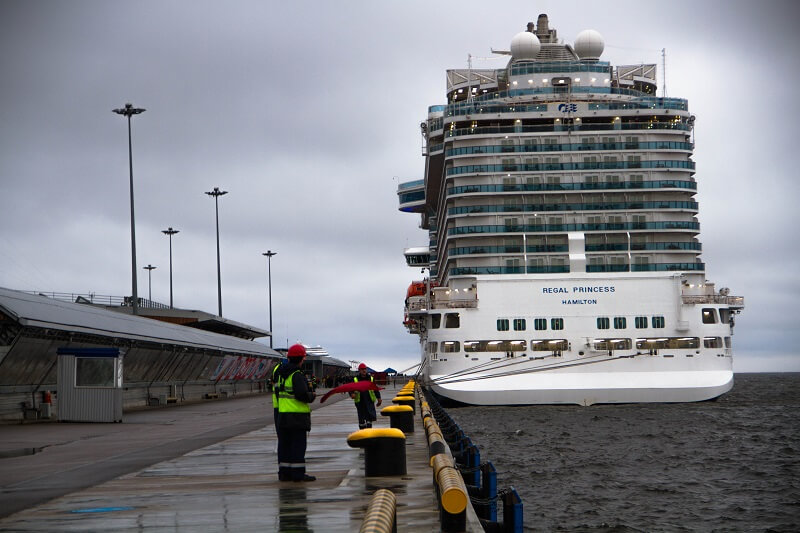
(296, 350)
(362, 365)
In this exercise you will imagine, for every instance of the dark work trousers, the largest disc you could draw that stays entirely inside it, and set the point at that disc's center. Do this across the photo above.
(366, 411)
(292, 454)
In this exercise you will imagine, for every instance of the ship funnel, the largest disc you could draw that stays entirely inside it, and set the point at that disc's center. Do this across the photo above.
(542, 24)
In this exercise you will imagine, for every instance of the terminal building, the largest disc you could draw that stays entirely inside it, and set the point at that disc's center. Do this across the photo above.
(93, 350)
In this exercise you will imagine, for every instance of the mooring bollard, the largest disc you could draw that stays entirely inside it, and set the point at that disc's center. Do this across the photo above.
(384, 450)
(400, 417)
(381, 515)
(452, 493)
(405, 400)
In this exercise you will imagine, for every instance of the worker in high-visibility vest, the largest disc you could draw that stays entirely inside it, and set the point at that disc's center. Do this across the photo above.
(294, 417)
(365, 402)
(273, 385)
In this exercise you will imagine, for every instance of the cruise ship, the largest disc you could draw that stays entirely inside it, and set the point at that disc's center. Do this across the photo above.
(563, 261)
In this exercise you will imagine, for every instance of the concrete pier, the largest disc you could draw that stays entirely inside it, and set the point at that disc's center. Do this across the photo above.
(202, 467)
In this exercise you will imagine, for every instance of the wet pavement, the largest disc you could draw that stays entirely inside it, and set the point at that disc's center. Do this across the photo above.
(202, 467)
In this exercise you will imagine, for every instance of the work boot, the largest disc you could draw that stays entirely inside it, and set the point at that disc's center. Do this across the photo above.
(306, 477)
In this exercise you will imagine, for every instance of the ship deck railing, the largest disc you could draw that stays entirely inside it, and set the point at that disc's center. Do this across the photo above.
(467, 303)
(732, 301)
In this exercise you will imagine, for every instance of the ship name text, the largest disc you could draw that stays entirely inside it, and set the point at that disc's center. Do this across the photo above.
(577, 290)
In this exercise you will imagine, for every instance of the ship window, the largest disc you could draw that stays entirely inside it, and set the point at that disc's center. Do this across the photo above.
(545, 345)
(640, 322)
(709, 316)
(668, 342)
(620, 322)
(727, 342)
(658, 321)
(539, 324)
(519, 324)
(502, 324)
(451, 346)
(712, 342)
(436, 321)
(494, 346)
(452, 320)
(603, 322)
(553, 179)
(608, 143)
(556, 323)
(612, 344)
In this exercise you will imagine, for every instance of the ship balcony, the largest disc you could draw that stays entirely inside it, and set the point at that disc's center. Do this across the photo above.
(446, 298)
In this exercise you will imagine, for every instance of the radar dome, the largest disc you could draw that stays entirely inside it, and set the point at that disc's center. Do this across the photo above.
(525, 45)
(589, 44)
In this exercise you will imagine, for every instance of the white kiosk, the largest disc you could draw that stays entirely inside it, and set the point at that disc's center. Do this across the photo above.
(89, 385)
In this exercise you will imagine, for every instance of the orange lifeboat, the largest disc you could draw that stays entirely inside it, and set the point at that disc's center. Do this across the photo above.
(417, 288)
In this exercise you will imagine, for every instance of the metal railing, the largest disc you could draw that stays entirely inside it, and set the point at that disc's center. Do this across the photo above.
(99, 299)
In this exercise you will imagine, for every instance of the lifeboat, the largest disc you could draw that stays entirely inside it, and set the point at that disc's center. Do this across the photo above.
(417, 288)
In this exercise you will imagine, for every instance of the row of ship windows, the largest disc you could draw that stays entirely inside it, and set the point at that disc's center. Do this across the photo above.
(558, 183)
(461, 108)
(560, 345)
(540, 324)
(557, 126)
(570, 182)
(608, 163)
(593, 206)
(552, 145)
(453, 320)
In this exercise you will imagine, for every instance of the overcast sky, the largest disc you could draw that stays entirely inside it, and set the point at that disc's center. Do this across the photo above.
(308, 114)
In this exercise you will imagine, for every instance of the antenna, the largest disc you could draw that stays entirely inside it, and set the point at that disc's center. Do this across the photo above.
(470, 57)
(664, 72)
(469, 77)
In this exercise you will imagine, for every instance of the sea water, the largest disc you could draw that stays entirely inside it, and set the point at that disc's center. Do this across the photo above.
(732, 464)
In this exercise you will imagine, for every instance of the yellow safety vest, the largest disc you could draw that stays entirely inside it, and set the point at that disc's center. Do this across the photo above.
(287, 403)
(275, 385)
(357, 397)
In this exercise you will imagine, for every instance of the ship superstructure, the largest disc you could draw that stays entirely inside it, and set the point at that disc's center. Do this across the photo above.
(563, 263)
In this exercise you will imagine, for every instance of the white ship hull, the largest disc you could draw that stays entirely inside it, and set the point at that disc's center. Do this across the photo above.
(686, 360)
(623, 386)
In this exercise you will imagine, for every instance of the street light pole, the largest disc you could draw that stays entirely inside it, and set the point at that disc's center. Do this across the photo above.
(216, 193)
(269, 254)
(129, 111)
(149, 269)
(170, 232)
